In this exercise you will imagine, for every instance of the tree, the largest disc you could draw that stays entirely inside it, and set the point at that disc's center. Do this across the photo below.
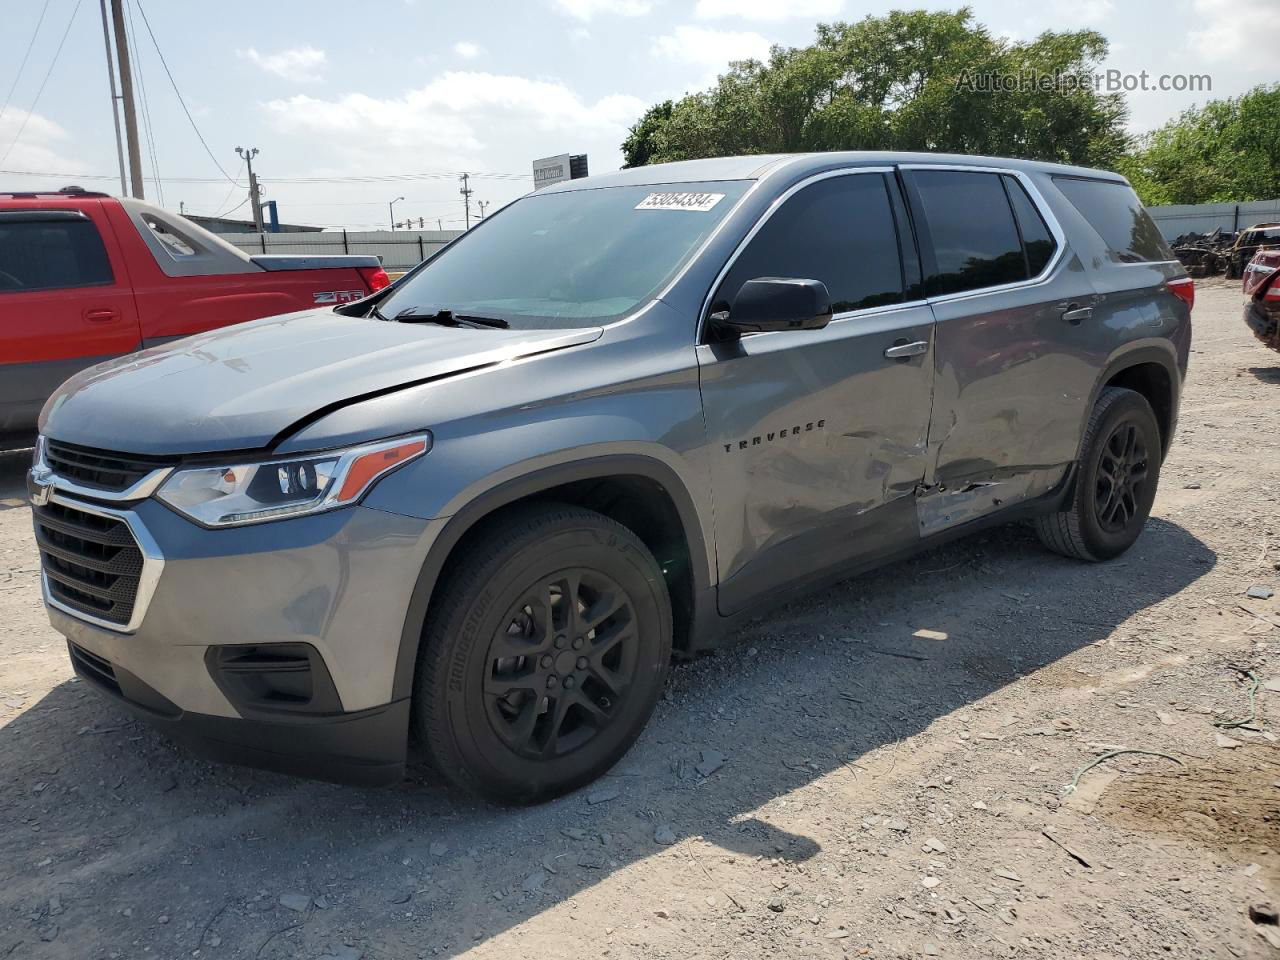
(910, 80)
(1225, 151)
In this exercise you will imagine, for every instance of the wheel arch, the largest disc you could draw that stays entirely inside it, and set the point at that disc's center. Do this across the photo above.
(1151, 371)
(644, 494)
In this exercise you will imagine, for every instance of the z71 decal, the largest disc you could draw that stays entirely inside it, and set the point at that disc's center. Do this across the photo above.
(338, 296)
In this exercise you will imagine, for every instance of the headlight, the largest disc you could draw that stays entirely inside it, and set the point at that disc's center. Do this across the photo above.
(234, 494)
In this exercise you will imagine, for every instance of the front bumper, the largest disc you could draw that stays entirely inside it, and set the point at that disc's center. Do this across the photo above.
(366, 747)
(1263, 318)
(334, 586)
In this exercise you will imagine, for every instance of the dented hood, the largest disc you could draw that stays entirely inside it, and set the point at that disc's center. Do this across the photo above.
(241, 387)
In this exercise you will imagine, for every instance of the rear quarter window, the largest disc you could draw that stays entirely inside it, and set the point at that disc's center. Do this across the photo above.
(1116, 215)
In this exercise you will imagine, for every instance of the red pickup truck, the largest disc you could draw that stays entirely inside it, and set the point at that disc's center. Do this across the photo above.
(85, 277)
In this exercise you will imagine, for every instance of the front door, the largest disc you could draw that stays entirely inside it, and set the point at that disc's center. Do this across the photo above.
(818, 439)
(64, 304)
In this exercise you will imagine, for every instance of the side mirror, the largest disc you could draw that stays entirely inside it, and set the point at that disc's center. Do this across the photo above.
(769, 304)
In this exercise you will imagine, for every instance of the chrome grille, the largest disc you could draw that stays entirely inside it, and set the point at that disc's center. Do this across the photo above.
(99, 469)
(92, 564)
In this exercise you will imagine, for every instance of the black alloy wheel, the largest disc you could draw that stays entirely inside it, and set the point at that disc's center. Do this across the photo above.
(1122, 472)
(545, 649)
(561, 665)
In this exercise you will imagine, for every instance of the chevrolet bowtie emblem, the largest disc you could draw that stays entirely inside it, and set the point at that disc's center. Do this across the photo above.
(40, 486)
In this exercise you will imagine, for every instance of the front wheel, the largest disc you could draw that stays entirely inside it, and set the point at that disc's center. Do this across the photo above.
(1116, 484)
(543, 655)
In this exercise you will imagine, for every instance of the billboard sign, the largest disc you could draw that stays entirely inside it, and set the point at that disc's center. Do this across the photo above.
(550, 170)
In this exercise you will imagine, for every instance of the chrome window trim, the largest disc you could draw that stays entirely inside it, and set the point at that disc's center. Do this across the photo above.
(764, 218)
(45, 475)
(1042, 207)
(152, 566)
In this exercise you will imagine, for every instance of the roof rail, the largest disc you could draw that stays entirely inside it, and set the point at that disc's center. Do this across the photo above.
(64, 192)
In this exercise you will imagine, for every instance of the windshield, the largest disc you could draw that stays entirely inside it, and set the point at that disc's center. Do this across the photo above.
(570, 259)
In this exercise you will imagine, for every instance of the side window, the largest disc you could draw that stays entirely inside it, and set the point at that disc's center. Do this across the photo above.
(51, 254)
(975, 241)
(1114, 211)
(840, 231)
(176, 244)
(1036, 238)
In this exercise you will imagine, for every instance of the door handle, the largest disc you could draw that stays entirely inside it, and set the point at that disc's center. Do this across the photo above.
(101, 314)
(1075, 313)
(902, 350)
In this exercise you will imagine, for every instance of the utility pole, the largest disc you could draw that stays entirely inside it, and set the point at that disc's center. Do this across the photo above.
(111, 83)
(466, 192)
(255, 199)
(126, 98)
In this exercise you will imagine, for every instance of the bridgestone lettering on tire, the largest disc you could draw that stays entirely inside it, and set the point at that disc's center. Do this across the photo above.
(1116, 482)
(544, 653)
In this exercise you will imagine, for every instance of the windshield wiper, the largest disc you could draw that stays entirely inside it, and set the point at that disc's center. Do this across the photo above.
(448, 318)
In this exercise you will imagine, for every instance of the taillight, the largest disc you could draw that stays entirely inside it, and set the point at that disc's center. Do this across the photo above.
(1184, 289)
(1273, 293)
(375, 278)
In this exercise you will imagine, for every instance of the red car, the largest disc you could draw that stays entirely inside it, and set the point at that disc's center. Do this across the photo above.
(85, 277)
(1262, 287)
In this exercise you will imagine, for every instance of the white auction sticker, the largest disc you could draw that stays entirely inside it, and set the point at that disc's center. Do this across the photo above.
(701, 202)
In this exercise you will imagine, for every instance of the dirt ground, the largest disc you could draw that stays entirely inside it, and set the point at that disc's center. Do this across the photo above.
(832, 786)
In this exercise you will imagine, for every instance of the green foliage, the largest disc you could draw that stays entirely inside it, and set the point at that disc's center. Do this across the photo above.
(911, 80)
(1226, 151)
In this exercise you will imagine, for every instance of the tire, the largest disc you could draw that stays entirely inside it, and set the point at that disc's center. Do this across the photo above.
(513, 704)
(1098, 526)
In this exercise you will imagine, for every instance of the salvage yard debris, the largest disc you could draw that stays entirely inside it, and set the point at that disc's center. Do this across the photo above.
(1075, 781)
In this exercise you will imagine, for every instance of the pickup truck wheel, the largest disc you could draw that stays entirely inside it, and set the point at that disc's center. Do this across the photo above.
(1116, 484)
(543, 655)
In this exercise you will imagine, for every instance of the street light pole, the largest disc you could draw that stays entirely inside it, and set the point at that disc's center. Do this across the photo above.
(391, 209)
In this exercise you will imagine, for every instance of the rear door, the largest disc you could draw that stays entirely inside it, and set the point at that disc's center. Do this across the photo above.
(1014, 367)
(65, 303)
(818, 439)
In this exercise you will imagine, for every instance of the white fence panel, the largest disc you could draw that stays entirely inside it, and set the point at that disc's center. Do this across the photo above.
(1177, 219)
(397, 249)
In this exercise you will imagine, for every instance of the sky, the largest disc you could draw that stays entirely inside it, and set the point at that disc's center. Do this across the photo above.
(331, 90)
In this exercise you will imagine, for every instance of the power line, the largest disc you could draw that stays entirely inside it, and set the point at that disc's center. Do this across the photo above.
(22, 66)
(147, 23)
(52, 63)
(371, 178)
(234, 187)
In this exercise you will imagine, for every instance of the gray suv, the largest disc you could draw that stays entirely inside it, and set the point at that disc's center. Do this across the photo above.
(480, 511)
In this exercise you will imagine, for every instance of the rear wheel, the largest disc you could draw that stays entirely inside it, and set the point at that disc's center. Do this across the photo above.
(543, 656)
(1116, 484)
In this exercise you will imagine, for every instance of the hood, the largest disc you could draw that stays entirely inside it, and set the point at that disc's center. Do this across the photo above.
(241, 387)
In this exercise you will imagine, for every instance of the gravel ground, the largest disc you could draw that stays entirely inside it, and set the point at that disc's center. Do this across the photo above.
(831, 786)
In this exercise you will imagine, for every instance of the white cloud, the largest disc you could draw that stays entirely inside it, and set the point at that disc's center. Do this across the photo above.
(38, 148)
(299, 64)
(1093, 11)
(586, 9)
(712, 49)
(766, 9)
(1233, 28)
(466, 49)
(452, 115)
